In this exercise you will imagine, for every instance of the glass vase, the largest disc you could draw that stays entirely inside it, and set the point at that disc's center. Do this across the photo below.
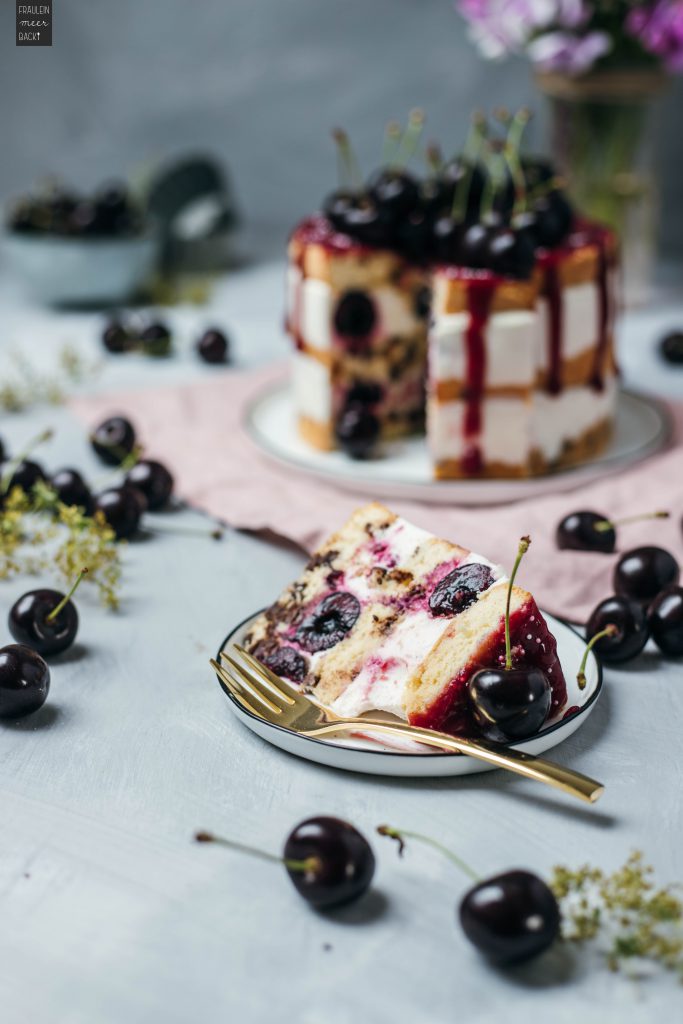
(601, 137)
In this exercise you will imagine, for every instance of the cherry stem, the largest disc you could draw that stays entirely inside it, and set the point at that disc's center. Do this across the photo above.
(473, 145)
(349, 171)
(494, 179)
(400, 836)
(511, 151)
(310, 864)
(410, 139)
(127, 463)
(392, 141)
(67, 597)
(609, 630)
(190, 531)
(603, 525)
(13, 464)
(521, 551)
(434, 158)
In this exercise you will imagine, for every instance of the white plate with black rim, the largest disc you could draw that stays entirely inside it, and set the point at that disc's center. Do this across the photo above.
(404, 470)
(375, 758)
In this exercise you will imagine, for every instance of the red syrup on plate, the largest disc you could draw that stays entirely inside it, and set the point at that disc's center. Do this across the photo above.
(533, 645)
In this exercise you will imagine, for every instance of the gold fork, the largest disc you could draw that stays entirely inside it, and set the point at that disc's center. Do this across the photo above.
(267, 696)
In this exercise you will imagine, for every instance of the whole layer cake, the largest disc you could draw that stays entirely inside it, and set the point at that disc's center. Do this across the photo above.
(388, 617)
(500, 330)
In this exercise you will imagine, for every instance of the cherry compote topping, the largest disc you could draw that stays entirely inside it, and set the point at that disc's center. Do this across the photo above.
(329, 623)
(283, 661)
(24, 681)
(460, 588)
(341, 864)
(510, 917)
(632, 630)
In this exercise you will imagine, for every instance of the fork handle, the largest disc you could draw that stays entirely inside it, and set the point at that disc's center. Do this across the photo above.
(577, 785)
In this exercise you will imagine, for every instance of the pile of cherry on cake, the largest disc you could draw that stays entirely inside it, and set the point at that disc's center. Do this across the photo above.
(44, 622)
(647, 600)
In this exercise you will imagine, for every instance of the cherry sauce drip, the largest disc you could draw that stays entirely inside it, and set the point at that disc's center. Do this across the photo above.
(479, 298)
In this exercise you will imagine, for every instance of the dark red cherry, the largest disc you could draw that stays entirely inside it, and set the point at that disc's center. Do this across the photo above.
(213, 347)
(577, 532)
(525, 223)
(422, 303)
(24, 681)
(435, 195)
(340, 862)
(642, 573)
(355, 315)
(364, 392)
(26, 474)
(71, 489)
(394, 191)
(337, 205)
(369, 223)
(665, 619)
(554, 218)
(283, 661)
(329, 622)
(447, 235)
(455, 171)
(511, 917)
(357, 431)
(632, 630)
(113, 440)
(514, 702)
(474, 250)
(85, 219)
(414, 236)
(30, 623)
(460, 588)
(156, 339)
(153, 480)
(122, 510)
(510, 253)
(671, 347)
(116, 338)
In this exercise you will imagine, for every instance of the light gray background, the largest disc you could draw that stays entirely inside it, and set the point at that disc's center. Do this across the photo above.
(260, 82)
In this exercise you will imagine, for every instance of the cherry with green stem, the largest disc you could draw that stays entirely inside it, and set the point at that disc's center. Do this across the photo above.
(20, 471)
(512, 702)
(46, 620)
(610, 630)
(591, 531)
(329, 862)
(510, 917)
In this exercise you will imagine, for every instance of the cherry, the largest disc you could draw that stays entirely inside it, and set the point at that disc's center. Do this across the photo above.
(113, 207)
(459, 170)
(283, 661)
(364, 392)
(113, 440)
(85, 219)
(422, 303)
(510, 917)
(213, 346)
(642, 573)
(665, 619)
(394, 191)
(357, 431)
(329, 861)
(414, 236)
(577, 532)
(329, 622)
(153, 480)
(337, 206)
(71, 489)
(447, 235)
(25, 475)
(369, 224)
(355, 315)
(435, 195)
(24, 681)
(341, 860)
(474, 249)
(156, 339)
(631, 629)
(460, 588)
(116, 338)
(122, 509)
(671, 347)
(510, 253)
(514, 702)
(45, 620)
(554, 218)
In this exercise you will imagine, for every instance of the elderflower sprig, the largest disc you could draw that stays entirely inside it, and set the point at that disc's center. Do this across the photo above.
(633, 920)
(31, 387)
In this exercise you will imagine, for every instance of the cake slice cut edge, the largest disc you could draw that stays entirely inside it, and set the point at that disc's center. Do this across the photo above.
(388, 617)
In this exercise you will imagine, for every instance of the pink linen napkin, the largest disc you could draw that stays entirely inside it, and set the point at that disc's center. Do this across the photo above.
(196, 429)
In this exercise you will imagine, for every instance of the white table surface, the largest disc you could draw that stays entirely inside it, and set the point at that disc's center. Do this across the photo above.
(108, 911)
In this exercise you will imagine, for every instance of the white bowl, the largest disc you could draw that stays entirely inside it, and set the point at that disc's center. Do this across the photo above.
(81, 271)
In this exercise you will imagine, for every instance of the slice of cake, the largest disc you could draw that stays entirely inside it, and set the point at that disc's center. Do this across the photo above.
(388, 617)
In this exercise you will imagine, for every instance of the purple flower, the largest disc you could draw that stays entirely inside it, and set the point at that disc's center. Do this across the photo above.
(659, 29)
(508, 26)
(568, 53)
